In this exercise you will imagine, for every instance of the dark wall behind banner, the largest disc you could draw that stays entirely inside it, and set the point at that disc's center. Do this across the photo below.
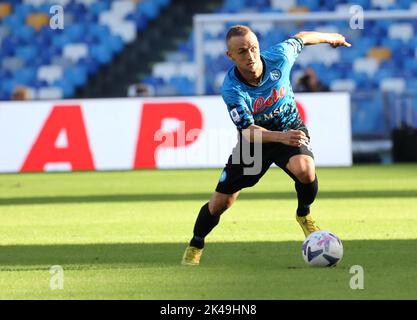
(404, 145)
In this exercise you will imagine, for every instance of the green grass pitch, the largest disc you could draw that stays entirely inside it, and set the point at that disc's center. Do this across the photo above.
(121, 235)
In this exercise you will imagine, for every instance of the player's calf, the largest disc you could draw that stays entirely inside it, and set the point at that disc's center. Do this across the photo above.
(207, 219)
(306, 194)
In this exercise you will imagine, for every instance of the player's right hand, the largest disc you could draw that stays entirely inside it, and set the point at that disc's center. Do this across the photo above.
(294, 138)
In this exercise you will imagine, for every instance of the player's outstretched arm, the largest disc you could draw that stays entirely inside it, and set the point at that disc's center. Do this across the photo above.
(313, 37)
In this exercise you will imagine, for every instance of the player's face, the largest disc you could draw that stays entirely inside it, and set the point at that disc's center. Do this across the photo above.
(244, 52)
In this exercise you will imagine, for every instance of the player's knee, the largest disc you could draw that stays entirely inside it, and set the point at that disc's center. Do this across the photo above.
(218, 206)
(306, 174)
(303, 168)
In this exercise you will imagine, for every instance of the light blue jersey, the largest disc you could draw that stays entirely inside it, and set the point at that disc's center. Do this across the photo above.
(271, 104)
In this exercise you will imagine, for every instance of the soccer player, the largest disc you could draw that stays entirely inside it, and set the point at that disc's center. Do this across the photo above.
(260, 101)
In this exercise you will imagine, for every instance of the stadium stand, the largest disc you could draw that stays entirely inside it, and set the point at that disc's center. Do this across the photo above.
(55, 63)
(382, 58)
(107, 46)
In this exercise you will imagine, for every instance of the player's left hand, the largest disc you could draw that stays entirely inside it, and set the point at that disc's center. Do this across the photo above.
(337, 40)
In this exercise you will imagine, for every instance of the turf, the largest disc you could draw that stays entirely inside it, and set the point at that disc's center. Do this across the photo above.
(121, 235)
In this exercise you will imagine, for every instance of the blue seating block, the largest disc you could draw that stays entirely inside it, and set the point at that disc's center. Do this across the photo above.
(76, 75)
(66, 86)
(90, 64)
(183, 85)
(25, 33)
(234, 6)
(26, 53)
(139, 18)
(25, 75)
(101, 53)
(115, 43)
(99, 6)
(14, 22)
(75, 32)
(8, 85)
(149, 8)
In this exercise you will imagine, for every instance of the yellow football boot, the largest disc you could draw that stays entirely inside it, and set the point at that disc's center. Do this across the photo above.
(307, 224)
(192, 256)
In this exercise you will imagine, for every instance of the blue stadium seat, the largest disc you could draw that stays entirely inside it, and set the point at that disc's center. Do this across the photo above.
(75, 32)
(25, 50)
(383, 73)
(9, 45)
(98, 32)
(234, 6)
(116, 43)
(365, 4)
(76, 75)
(13, 21)
(153, 81)
(8, 85)
(162, 3)
(150, 9)
(313, 5)
(262, 4)
(404, 4)
(41, 40)
(25, 33)
(26, 53)
(393, 44)
(36, 84)
(25, 75)
(67, 87)
(21, 10)
(183, 85)
(101, 53)
(139, 18)
(99, 6)
(59, 41)
(90, 64)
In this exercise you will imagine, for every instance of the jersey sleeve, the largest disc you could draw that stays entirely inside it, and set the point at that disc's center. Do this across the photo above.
(238, 109)
(290, 48)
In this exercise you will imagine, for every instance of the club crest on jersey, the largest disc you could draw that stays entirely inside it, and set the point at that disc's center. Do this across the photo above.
(261, 103)
(275, 74)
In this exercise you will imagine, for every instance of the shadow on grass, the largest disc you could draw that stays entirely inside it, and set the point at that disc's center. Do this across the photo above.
(202, 197)
(285, 254)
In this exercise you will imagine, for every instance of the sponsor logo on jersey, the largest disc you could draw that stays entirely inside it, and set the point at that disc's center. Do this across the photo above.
(235, 115)
(261, 103)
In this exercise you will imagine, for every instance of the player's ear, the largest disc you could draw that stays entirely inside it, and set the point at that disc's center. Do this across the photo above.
(229, 55)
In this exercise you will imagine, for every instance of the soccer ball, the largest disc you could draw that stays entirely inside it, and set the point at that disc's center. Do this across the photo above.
(322, 249)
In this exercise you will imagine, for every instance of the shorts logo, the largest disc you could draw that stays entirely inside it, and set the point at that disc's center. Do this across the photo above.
(235, 115)
(275, 74)
(308, 146)
(223, 176)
